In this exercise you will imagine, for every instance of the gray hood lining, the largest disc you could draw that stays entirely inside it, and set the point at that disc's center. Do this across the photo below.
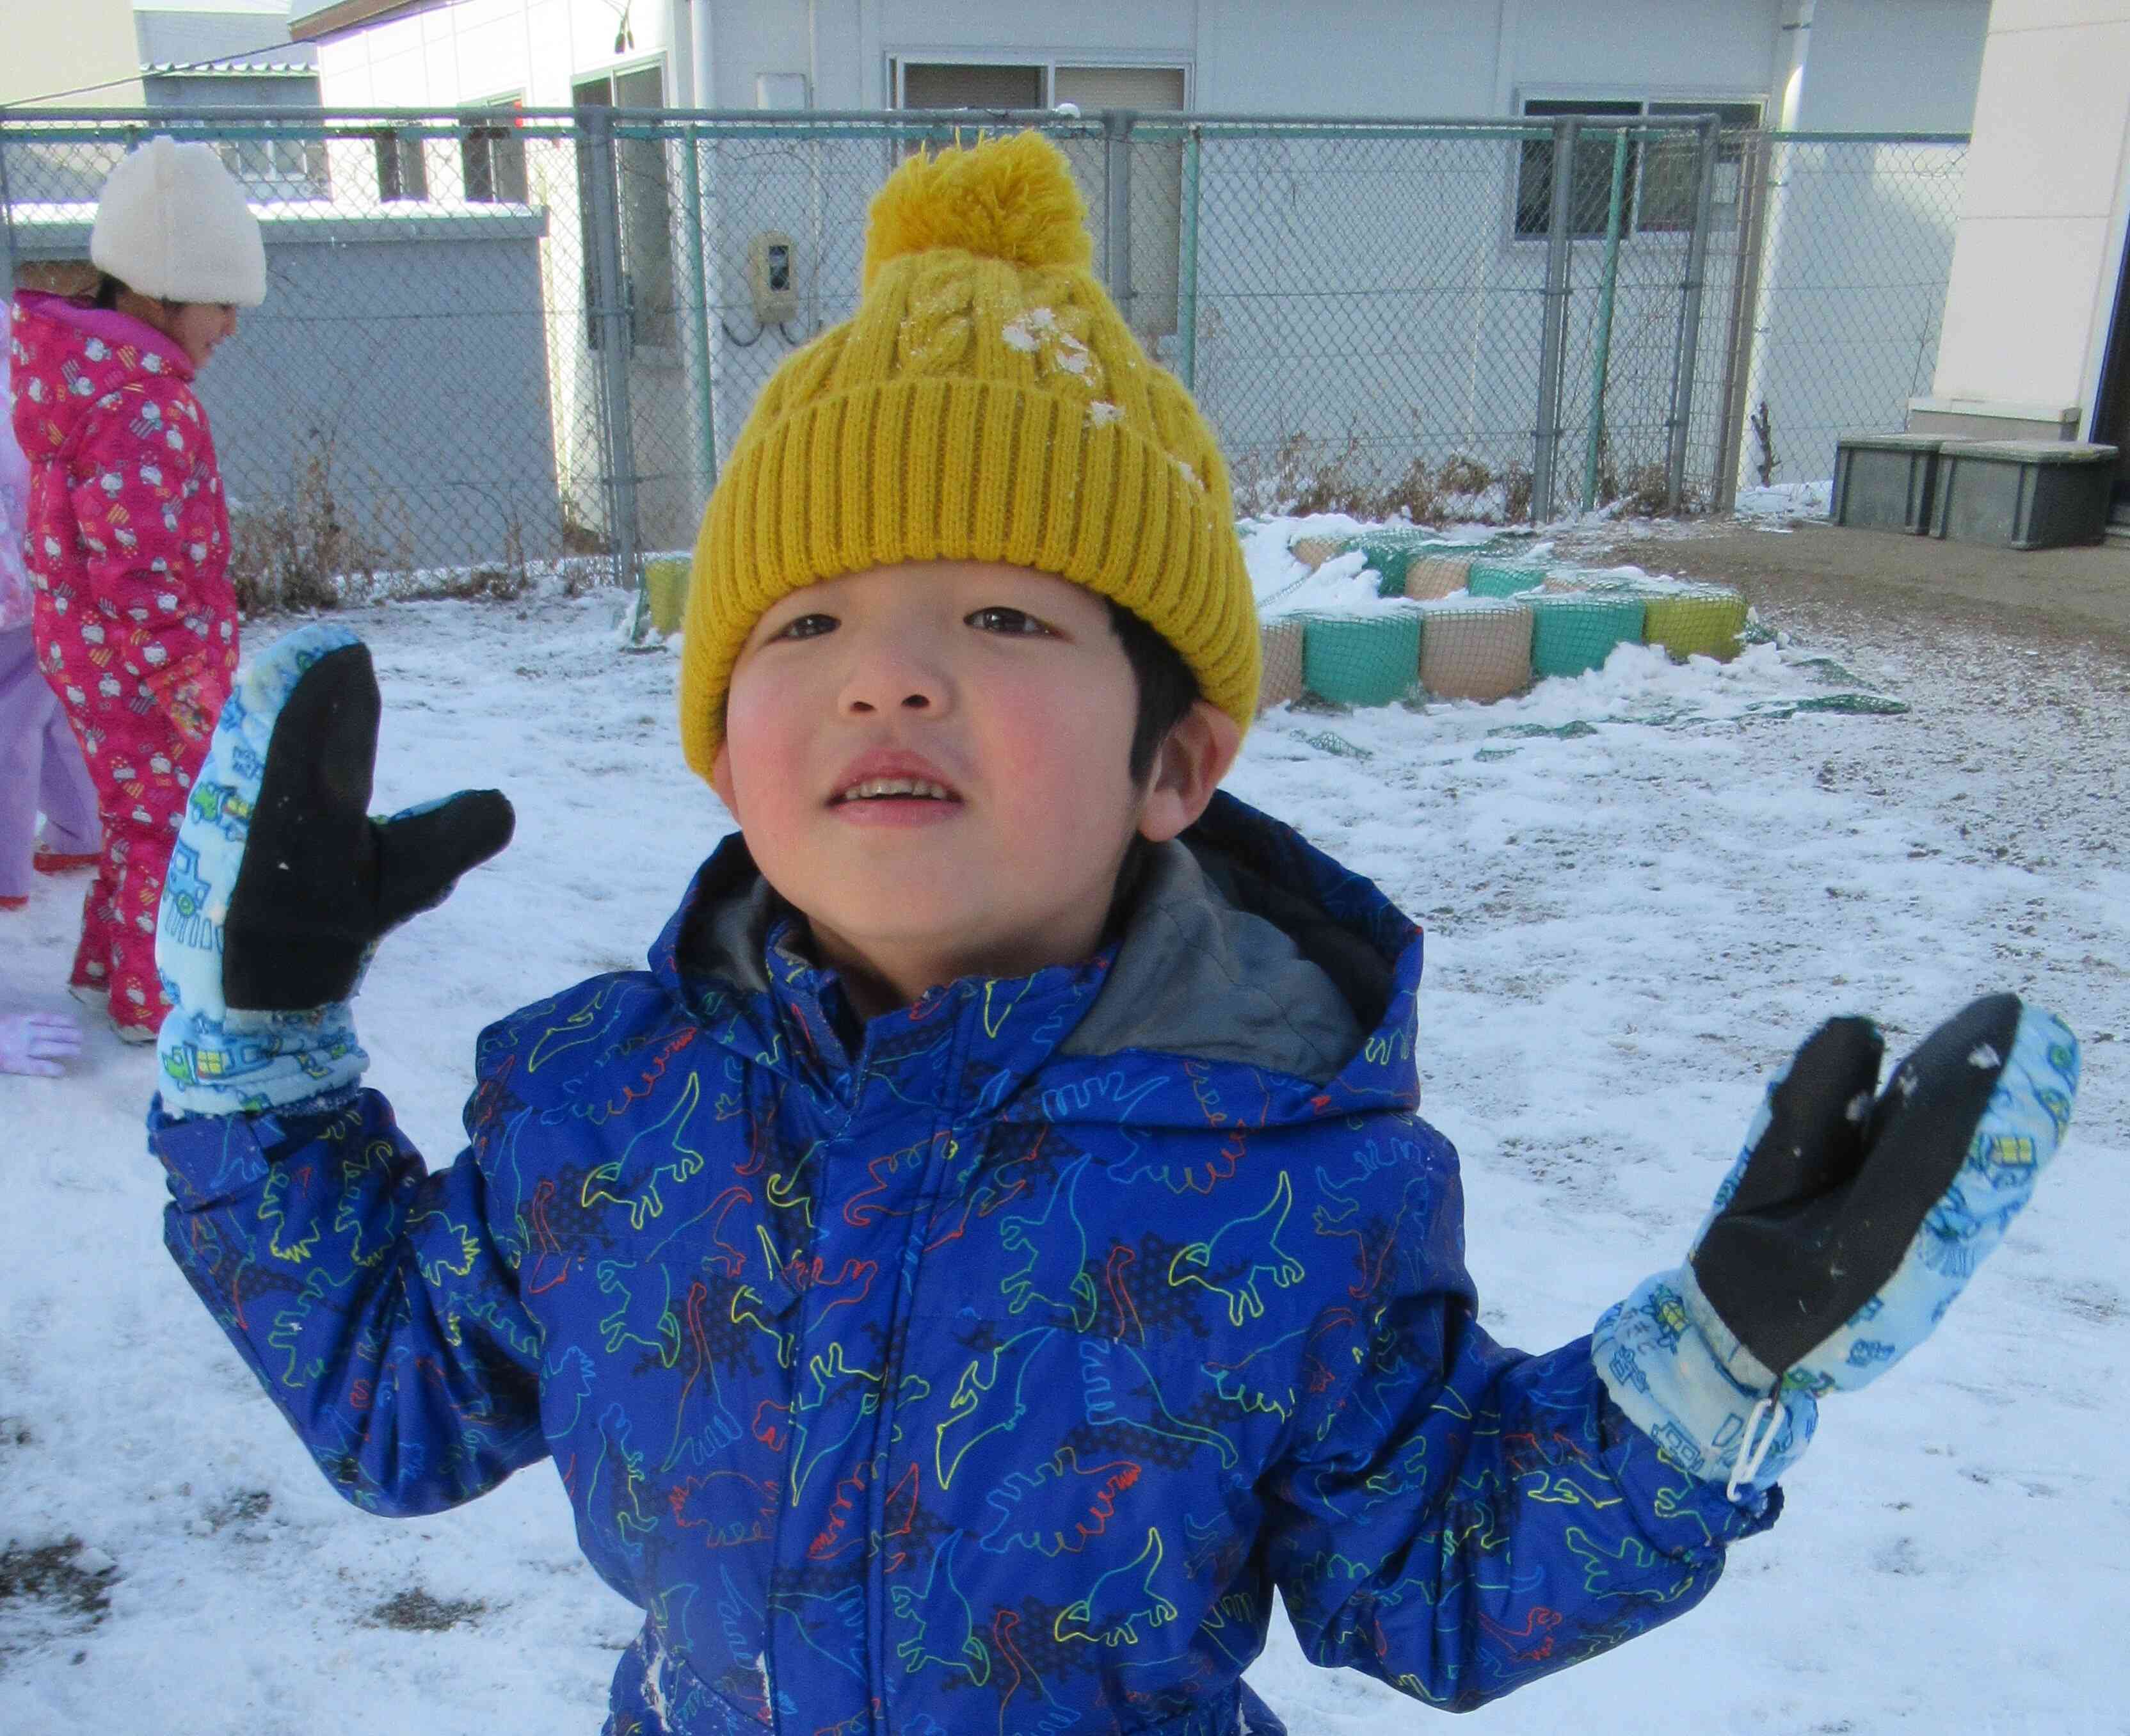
(1212, 966)
(1201, 976)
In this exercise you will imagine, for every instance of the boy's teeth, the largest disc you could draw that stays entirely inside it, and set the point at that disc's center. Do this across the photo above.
(873, 787)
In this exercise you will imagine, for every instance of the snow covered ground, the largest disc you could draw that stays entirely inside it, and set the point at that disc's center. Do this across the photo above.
(1641, 889)
(1785, 500)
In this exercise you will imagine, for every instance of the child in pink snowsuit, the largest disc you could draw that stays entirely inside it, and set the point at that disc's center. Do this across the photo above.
(40, 764)
(128, 535)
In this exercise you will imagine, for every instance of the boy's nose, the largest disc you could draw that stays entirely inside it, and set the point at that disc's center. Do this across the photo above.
(917, 700)
(893, 679)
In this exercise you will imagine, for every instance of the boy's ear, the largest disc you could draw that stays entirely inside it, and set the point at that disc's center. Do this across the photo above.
(1188, 768)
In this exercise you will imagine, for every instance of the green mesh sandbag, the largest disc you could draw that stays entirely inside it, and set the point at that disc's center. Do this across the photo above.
(1498, 579)
(1314, 550)
(1704, 622)
(1435, 573)
(1361, 660)
(1281, 682)
(1390, 549)
(1477, 648)
(1574, 633)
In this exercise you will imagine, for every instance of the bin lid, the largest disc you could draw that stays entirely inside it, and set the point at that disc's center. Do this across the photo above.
(2032, 452)
(1892, 442)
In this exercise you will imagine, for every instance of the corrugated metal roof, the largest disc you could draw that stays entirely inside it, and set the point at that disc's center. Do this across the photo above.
(230, 68)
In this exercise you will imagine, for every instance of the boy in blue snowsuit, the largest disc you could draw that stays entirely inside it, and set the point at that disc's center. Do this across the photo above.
(993, 1248)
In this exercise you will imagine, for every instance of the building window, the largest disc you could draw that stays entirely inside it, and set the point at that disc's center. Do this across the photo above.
(1157, 169)
(494, 160)
(403, 173)
(955, 84)
(277, 168)
(267, 164)
(1667, 185)
(646, 204)
(1658, 186)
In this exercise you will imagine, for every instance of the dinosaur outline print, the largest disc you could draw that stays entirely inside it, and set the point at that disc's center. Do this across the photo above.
(1230, 1260)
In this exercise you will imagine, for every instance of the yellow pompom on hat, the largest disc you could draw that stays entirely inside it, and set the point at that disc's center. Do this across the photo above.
(986, 402)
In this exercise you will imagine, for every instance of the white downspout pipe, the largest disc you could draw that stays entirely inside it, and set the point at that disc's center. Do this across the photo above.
(680, 53)
(1771, 243)
(702, 83)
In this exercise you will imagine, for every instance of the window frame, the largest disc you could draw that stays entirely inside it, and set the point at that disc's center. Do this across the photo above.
(664, 346)
(1155, 312)
(1608, 104)
(397, 150)
(1044, 61)
(490, 140)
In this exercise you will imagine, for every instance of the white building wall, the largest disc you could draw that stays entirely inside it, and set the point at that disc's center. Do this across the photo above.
(1879, 65)
(1433, 58)
(1911, 67)
(55, 48)
(2041, 238)
(476, 50)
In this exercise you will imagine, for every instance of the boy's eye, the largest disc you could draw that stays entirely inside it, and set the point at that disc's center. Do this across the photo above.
(1003, 620)
(805, 627)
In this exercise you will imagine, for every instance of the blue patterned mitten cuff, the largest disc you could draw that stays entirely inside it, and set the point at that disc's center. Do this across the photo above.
(1680, 1376)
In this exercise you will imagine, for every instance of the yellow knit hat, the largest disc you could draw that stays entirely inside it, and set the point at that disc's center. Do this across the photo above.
(986, 402)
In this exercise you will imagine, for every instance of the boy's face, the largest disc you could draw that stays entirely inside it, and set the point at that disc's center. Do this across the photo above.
(929, 760)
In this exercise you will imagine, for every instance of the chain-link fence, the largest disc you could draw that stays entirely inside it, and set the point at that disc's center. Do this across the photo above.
(498, 338)
(1838, 290)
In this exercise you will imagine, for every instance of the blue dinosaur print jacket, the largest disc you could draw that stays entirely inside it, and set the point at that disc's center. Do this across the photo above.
(987, 1366)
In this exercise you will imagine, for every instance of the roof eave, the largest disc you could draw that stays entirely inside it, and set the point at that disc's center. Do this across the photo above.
(316, 22)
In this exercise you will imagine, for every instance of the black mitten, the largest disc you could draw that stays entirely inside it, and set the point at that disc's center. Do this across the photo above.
(1848, 1226)
(1825, 1206)
(321, 880)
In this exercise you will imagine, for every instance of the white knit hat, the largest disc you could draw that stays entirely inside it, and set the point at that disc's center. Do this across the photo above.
(173, 224)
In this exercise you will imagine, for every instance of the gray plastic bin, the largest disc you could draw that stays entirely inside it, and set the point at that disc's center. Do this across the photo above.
(1884, 481)
(2022, 493)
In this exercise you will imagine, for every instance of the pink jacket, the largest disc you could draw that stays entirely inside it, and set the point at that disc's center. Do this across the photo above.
(128, 534)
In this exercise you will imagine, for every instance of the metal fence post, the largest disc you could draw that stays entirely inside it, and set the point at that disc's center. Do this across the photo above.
(1554, 344)
(1689, 315)
(702, 399)
(1116, 205)
(1756, 166)
(6, 221)
(1186, 287)
(1608, 282)
(610, 313)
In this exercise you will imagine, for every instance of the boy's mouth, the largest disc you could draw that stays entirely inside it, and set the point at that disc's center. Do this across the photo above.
(893, 789)
(889, 778)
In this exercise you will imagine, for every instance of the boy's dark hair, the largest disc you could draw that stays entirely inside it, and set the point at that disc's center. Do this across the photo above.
(1166, 687)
